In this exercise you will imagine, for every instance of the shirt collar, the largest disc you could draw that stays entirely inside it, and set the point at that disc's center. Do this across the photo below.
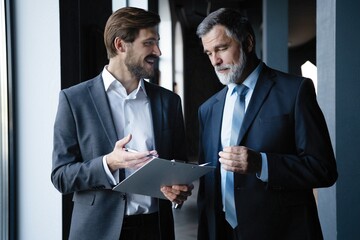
(111, 82)
(250, 81)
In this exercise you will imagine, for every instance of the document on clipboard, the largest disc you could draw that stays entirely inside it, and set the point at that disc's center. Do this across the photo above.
(158, 172)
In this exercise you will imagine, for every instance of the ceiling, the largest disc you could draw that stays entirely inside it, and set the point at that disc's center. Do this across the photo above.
(302, 15)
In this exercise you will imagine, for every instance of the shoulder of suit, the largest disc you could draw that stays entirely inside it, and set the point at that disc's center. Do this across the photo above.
(219, 96)
(281, 77)
(84, 85)
(156, 88)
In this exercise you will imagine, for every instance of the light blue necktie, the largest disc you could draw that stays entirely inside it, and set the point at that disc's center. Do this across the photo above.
(238, 116)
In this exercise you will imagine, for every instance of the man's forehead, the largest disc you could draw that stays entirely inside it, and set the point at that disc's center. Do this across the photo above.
(149, 33)
(215, 39)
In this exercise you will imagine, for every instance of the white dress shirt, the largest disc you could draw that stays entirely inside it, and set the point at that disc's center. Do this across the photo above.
(132, 115)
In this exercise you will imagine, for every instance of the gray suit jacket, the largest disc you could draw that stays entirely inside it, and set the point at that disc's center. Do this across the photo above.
(284, 121)
(83, 133)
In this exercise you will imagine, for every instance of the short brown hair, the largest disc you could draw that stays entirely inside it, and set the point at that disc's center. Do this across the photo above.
(126, 23)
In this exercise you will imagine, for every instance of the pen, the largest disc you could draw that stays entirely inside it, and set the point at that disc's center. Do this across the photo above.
(177, 206)
(130, 150)
(135, 151)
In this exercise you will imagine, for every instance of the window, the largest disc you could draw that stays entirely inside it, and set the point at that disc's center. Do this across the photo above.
(4, 131)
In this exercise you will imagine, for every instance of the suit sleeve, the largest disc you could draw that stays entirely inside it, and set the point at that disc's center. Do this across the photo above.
(201, 198)
(313, 165)
(70, 172)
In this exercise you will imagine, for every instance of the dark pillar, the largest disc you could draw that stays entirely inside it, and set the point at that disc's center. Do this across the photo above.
(83, 54)
(275, 34)
(338, 64)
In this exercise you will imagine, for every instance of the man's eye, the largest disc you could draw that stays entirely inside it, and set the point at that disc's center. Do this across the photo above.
(149, 43)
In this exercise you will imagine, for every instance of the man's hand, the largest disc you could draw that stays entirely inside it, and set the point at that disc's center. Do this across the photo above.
(120, 158)
(240, 159)
(177, 193)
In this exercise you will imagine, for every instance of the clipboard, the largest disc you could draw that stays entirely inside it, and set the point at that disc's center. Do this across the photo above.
(158, 172)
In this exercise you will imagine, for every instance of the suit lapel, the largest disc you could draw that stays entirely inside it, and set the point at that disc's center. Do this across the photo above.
(262, 89)
(156, 112)
(100, 101)
(216, 121)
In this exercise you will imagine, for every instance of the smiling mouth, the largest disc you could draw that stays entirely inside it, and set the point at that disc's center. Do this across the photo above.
(151, 60)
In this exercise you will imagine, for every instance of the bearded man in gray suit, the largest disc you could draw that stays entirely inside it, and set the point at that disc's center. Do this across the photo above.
(88, 157)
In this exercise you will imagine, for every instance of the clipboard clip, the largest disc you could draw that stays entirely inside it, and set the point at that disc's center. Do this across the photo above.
(195, 165)
(177, 161)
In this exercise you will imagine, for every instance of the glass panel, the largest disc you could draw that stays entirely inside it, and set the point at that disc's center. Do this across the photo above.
(179, 63)
(116, 4)
(165, 44)
(4, 147)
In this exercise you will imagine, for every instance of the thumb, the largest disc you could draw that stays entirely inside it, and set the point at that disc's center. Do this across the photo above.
(122, 142)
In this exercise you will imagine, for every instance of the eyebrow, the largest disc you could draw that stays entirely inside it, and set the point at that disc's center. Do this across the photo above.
(217, 47)
(152, 38)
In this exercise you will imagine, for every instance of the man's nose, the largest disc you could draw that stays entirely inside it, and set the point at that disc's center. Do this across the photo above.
(156, 50)
(215, 60)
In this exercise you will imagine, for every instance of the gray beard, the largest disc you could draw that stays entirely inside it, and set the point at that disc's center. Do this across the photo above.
(235, 71)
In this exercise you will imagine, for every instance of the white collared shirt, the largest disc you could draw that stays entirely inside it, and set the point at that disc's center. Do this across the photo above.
(132, 115)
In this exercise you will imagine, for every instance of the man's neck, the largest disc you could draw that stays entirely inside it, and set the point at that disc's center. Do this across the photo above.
(122, 74)
(252, 63)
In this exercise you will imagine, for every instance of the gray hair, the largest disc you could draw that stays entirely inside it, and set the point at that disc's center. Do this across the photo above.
(236, 24)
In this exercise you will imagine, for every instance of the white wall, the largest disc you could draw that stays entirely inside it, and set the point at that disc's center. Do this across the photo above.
(165, 44)
(37, 76)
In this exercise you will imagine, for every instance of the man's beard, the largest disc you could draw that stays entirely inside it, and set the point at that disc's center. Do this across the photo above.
(137, 69)
(235, 73)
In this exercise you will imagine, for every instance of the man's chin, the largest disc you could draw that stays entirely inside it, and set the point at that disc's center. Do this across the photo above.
(144, 74)
(223, 80)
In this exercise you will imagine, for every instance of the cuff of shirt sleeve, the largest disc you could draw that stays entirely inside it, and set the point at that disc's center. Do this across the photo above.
(109, 175)
(264, 168)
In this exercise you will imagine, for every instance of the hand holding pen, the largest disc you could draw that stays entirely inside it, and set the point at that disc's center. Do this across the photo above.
(152, 153)
(121, 157)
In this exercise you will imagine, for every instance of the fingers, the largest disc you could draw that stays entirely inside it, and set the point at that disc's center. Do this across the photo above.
(136, 159)
(235, 150)
(154, 153)
(177, 193)
(238, 159)
(135, 163)
(249, 162)
(121, 157)
(235, 166)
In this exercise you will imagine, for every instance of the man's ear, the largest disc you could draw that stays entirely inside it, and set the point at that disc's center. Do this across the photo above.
(249, 43)
(119, 45)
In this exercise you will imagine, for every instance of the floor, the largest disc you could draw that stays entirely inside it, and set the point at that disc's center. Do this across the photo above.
(186, 218)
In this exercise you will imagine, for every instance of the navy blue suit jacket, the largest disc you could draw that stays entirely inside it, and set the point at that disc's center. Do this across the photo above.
(83, 133)
(284, 121)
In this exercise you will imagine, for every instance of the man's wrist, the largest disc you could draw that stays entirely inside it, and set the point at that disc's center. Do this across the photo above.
(110, 163)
